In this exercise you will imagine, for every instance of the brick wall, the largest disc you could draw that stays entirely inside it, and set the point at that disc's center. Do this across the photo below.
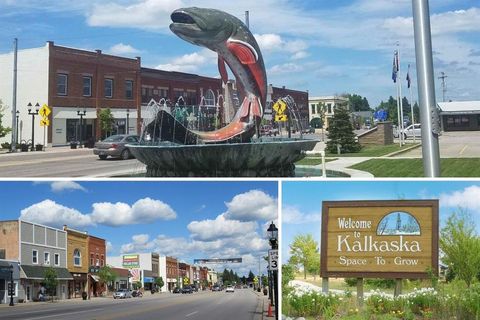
(9, 239)
(382, 134)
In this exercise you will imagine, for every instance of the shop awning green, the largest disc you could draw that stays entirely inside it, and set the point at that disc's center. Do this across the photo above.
(38, 272)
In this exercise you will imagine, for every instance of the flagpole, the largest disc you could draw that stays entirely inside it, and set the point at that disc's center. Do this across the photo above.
(400, 93)
(411, 103)
(399, 126)
(426, 88)
(395, 80)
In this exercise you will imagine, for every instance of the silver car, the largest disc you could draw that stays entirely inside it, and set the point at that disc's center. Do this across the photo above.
(115, 146)
(413, 130)
(122, 294)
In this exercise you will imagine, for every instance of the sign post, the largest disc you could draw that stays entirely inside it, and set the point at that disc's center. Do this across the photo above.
(379, 239)
(44, 121)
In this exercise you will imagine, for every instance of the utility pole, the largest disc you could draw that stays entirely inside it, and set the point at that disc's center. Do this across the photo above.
(444, 84)
(13, 146)
(247, 19)
(426, 88)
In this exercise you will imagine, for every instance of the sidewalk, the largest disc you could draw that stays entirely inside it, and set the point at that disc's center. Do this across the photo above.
(49, 150)
(262, 308)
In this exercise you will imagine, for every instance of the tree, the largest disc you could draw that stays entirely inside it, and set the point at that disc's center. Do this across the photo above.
(106, 119)
(106, 275)
(3, 130)
(159, 283)
(341, 133)
(304, 250)
(51, 281)
(314, 266)
(461, 246)
(357, 103)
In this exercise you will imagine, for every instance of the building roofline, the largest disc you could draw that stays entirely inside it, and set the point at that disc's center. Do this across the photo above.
(51, 44)
(41, 225)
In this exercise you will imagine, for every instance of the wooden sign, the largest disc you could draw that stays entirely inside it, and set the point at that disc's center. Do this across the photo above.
(379, 239)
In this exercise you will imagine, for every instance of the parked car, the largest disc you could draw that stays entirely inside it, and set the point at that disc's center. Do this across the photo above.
(187, 289)
(177, 290)
(115, 146)
(308, 130)
(413, 130)
(230, 289)
(268, 131)
(122, 294)
(216, 288)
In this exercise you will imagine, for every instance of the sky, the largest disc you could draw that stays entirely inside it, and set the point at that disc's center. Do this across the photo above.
(302, 201)
(188, 220)
(326, 47)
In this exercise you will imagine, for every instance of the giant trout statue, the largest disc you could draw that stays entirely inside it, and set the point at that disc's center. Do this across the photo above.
(236, 47)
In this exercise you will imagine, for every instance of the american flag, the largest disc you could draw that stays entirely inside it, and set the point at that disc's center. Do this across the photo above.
(396, 66)
(408, 77)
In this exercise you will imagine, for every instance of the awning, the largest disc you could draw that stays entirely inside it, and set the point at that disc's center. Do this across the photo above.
(5, 269)
(147, 280)
(38, 272)
(95, 278)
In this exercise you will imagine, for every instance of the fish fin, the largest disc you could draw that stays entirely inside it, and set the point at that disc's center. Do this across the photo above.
(243, 51)
(245, 108)
(223, 69)
(256, 107)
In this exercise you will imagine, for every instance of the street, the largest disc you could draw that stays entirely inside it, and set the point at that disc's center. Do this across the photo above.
(64, 162)
(243, 304)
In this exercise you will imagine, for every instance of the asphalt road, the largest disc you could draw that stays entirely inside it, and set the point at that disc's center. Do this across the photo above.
(63, 162)
(207, 305)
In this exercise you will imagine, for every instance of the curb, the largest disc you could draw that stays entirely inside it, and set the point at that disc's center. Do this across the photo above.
(401, 151)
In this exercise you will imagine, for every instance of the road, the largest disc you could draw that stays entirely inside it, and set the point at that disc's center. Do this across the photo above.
(64, 162)
(243, 304)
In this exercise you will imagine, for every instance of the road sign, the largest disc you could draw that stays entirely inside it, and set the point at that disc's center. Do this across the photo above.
(281, 117)
(280, 106)
(186, 280)
(273, 259)
(228, 260)
(255, 280)
(44, 122)
(44, 111)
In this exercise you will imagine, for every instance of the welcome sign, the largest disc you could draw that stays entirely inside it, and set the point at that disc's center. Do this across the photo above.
(379, 239)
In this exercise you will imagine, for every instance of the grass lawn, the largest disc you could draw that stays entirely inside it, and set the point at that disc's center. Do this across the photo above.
(374, 151)
(313, 161)
(451, 167)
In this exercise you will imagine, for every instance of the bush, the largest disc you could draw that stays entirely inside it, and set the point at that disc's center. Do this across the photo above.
(314, 303)
(5, 145)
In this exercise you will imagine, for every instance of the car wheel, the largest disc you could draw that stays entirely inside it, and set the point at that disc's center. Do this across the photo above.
(102, 157)
(404, 136)
(125, 154)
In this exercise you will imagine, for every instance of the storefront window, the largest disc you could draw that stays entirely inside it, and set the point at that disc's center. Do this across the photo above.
(77, 257)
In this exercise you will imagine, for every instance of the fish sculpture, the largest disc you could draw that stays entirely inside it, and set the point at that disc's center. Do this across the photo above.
(236, 47)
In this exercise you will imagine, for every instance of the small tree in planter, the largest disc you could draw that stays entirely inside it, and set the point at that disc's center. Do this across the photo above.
(106, 119)
(159, 283)
(51, 281)
(341, 133)
(106, 275)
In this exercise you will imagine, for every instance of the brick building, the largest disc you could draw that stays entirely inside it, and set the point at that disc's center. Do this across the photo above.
(97, 251)
(77, 261)
(172, 272)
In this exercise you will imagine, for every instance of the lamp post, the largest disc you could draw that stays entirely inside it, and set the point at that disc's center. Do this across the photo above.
(272, 232)
(11, 286)
(128, 118)
(16, 123)
(81, 114)
(33, 114)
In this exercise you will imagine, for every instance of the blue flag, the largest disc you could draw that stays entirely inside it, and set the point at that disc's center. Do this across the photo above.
(395, 67)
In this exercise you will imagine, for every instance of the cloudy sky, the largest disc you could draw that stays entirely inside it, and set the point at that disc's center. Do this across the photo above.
(302, 202)
(326, 47)
(189, 220)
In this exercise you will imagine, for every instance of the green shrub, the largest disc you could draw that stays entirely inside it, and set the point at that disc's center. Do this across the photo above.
(313, 303)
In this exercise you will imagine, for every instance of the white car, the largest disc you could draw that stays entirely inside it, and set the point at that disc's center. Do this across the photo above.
(230, 289)
(413, 130)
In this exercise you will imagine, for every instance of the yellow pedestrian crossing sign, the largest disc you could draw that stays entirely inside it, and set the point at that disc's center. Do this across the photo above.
(44, 122)
(255, 280)
(186, 280)
(44, 111)
(280, 106)
(281, 117)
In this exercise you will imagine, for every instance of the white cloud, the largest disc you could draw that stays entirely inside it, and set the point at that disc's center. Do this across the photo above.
(252, 205)
(466, 198)
(139, 243)
(59, 186)
(292, 215)
(123, 49)
(50, 213)
(109, 247)
(143, 211)
(147, 14)
(206, 230)
(286, 68)
(191, 62)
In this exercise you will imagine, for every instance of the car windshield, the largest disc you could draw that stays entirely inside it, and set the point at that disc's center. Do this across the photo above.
(116, 138)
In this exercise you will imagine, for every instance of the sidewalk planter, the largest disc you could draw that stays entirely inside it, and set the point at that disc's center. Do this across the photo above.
(73, 145)
(24, 147)
(265, 291)
(39, 147)
(84, 295)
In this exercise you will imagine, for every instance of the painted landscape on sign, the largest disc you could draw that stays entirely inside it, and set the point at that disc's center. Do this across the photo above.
(398, 223)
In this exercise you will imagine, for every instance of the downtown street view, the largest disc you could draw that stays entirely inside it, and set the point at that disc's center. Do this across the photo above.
(108, 250)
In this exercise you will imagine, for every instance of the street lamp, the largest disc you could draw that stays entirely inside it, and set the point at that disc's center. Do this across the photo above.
(128, 117)
(81, 114)
(16, 132)
(33, 114)
(272, 232)
(11, 286)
